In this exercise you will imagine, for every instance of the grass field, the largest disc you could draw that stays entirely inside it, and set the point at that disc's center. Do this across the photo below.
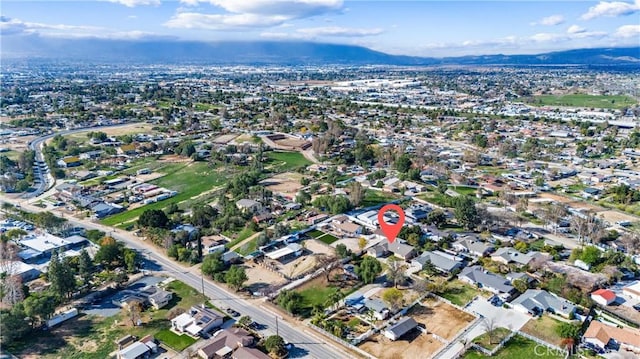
(581, 100)
(464, 190)
(189, 179)
(286, 161)
(240, 236)
(205, 106)
(519, 348)
(460, 293)
(318, 296)
(175, 341)
(327, 238)
(89, 337)
(374, 198)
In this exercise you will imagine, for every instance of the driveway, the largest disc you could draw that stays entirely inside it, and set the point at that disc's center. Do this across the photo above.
(105, 307)
(503, 317)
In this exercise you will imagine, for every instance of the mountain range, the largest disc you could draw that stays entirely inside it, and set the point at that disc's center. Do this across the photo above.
(281, 53)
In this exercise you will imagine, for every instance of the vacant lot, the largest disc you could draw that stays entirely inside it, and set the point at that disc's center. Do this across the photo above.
(412, 345)
(581, 100)
(543, 328)
(286, 184)
(460, 293)
(291, 142)
(129, 129)
(374, 198)
(318, 290)
(519, 348)
(440, 318)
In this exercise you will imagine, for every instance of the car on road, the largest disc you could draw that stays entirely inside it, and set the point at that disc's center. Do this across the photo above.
(232, 312)
(637, 307)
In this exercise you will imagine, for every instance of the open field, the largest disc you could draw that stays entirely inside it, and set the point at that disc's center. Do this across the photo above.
(488, 342)
(317, 291)
(440, 318)
(519, 348)
(464, 190)
(412, 345)
(287, 184)
(133, 128)
(173, 340)
(90, 336)
(543, 328)
(286, 161)
(189, 179)
(581, 100)
(291, 142)
(260, 277)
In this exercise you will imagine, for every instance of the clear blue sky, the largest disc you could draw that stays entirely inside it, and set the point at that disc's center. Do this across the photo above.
(425, 28)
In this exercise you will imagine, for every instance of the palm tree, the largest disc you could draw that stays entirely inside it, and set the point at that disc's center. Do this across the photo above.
(335, 298)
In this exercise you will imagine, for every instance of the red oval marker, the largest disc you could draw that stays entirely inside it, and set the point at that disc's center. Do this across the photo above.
(391, 230)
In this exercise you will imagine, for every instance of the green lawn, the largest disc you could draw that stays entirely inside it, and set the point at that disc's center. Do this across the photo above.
(315, 296)
(248, 247)
(205, 106)
(315, 233)
(464, 190)
(460, 293)
(245, 233)
(519, 348)
(327, 238)
(189, 179)
(498, 335)
(374, 198)
(581, 100)
(544, 328)
(177, 342)
(286, 161)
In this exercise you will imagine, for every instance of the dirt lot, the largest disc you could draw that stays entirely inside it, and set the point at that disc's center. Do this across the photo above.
(321, 281)
(174, 159)
(440, 318)
(260, 277)
(290, 142)
(18, 143)
(413, 345)
(608, 215)
(148, 177)
(224, 139)
(287, 184)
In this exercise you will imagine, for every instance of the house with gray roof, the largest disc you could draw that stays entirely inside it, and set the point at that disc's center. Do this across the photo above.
(537, 301)
(508, 255)
(494, 283)
(443, 262)
(473, 246)
(377, 307)
(401, 250)
(402, 327)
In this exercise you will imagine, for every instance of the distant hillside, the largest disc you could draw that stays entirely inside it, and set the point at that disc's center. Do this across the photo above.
(279, 52)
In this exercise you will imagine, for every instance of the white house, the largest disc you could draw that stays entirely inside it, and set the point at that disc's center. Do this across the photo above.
(197, 320)
(603, 297)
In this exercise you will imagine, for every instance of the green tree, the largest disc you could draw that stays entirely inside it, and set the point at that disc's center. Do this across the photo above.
(12, 324)
(403, 163)
(130, 259)
(110, 254)
(40, 307)
(568, 331)
(85, 267)
(275, 345)
(394, 298)
(342, 251)
(153, 218)
(465, 212)
(245, 321)
(369, 269)
(213, 264)
(437, 218)
(236, 277)
(202, 216)
(521, 285)
(591, 255)
(61, 277)
(290, 300)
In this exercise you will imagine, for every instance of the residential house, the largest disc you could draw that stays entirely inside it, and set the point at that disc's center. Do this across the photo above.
(349, 229)
(249, 353)
(248, 205)
(605, 336)
(401, 250)
(603, 297)
(591, 192)
(196, 321)
(537, 301)
(129, 149)
(159, 298)
(225, 342)
(402, 327)
(91, 155)
(443, 262)
(377, 307)
(473, 246)
(494, 283)
(139, 349)
(69, 161)
(507, 255)
(416, 213)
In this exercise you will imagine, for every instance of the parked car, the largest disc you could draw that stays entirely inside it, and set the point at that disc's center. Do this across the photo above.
(232, 312)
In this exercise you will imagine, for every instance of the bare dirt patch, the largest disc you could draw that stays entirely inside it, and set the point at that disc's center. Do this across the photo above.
(224, 139)
(291, 142)
(261, 278)
(174, 159)
(287, 184)
(414, 344)
(18, 144)
(440, 318)
(322, 282)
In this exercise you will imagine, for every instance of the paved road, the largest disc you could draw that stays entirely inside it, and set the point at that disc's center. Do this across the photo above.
(307, 343)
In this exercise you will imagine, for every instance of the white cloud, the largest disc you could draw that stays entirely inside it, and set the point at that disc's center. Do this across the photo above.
(10, 26)
(628, 31)
(339, 31)
(252, 13)
(611, 9)
(552, 20)
(575, 29)
(193, 20)
(134, 3)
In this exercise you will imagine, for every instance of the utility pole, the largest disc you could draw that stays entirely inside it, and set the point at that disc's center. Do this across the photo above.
(277, 331)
